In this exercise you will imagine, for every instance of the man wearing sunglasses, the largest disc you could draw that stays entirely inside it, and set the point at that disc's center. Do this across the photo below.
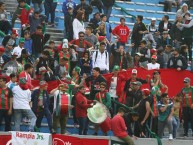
(153, 64)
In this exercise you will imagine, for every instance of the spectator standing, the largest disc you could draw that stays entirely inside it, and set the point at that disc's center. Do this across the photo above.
(145, 54)
(87, 9)
(107, 7)
(82, 104)
(119, 58)
(93, 82)
(13, 81)
(68, 23)
(66, 4)
(28, 42)
(139, 29)
(22, 104)
(119, 127)
(24, 58)
(122, 32)
(187, 106)
(5, 26)
(38, 41)
(167, 54)
(40, 105)
(50, 6)
(3, 57)
(6, 104)
(165, 108)
(86, 64)
(35, 20)
(38, 6)
(175, 118)
(100, 59)
(168, 5)
(165, 25)
(177, 61)
(97, 3)
(78, 24)
(59, 118)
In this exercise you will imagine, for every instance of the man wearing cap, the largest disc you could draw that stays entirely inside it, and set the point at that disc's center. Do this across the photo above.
(9, 42)
(134, 79)
(153, 64)
(164, 40)
(177, 61)
(119, 127)
(22, 104)
(6, 104)
(134, 94)
(40, 105)
(95, 20)
(143, 108)
(165, 108)
(187, 105)
(17, 50)
(93, 82)
(58, 117)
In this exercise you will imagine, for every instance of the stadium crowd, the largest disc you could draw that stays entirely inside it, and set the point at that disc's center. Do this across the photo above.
(90, 49)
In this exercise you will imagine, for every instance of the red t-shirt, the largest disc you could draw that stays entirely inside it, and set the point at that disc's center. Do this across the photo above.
(118, 126)
(122, 32)
(82, 104)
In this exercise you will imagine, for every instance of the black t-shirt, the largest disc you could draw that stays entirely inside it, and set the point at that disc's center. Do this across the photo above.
(128, 82)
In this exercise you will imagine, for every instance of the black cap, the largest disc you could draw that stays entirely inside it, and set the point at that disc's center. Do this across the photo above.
(24, 51)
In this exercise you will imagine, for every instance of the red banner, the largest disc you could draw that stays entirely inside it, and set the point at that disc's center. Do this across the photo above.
(4, 139)
(58, 139)
(170, 77)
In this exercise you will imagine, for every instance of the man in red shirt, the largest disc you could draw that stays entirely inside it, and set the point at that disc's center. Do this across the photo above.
(119, 128)
(122, 32)
(82, 104)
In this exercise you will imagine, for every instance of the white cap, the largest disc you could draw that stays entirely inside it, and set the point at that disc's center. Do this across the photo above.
(134, 71)
(153, 19)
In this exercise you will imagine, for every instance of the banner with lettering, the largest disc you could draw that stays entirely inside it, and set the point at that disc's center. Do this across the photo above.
(58, 139)
(30, 138)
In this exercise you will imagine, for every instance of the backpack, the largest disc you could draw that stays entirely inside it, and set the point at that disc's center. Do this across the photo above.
(97, 56)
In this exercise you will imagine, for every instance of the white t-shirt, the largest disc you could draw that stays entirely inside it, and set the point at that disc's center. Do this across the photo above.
(55, 97)
(21, 98)
(151, 66)
(17, 50)
(113, 86)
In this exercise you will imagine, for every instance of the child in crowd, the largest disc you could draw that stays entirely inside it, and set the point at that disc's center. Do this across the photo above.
(85, 64)
(28, 42)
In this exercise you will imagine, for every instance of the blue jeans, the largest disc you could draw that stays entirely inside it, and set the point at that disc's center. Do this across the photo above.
(83, 125)
(40, 116)
(50, 9)
(38, 7)
(7, 119)
(107, 12)
(18, 113)
(176, 124)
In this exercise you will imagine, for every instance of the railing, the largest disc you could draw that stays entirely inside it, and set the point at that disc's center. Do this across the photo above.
(124, 10)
